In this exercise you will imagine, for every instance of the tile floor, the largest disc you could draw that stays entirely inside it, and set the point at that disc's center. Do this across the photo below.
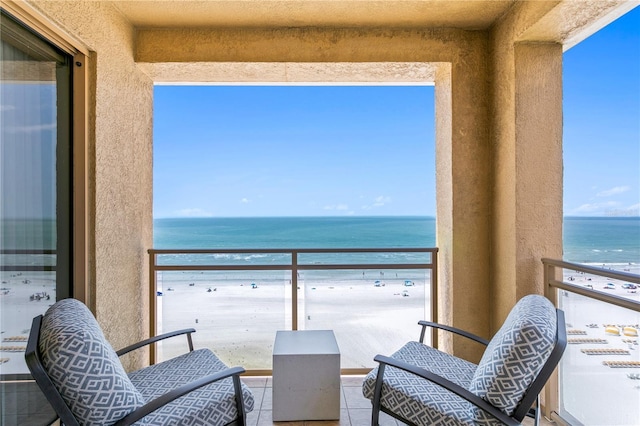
(355, 410)
(23, 404)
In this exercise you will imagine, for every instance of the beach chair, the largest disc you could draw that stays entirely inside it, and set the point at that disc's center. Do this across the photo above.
(420, 385)
(82, 377)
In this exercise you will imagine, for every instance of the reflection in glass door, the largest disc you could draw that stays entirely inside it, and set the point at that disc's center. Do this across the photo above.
(35, 202)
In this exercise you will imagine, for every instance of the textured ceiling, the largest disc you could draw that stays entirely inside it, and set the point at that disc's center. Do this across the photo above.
(471, 15)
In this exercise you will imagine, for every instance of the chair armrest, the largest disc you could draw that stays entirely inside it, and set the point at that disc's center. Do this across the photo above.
(154, 339)
(455, 330)
(166, 398)
(447, 384)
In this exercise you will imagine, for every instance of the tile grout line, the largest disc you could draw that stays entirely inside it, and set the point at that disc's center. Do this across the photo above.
(347, 420)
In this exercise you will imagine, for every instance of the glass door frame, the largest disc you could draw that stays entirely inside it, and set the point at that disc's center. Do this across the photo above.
(79, 130)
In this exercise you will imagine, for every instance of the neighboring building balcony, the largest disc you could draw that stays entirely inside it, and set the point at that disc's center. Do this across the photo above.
(598, 379)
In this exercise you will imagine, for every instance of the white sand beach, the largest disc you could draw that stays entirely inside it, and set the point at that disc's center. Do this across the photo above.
(24, 296)
(240, 321)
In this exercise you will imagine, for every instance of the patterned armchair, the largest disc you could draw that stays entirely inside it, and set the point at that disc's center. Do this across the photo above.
(420, 385)
(83, 379)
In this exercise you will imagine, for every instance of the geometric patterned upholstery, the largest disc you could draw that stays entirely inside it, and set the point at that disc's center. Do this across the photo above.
(516, 354)
(418, 400)
(84, 367)
(510, 363)
(88, 374)
(213, 404)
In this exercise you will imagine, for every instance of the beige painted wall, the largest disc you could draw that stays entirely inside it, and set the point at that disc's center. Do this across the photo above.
(122, 150)
(527, 45)
(120, 159)
(528, 176)
(498, 127)
(507, 236)
(463, 146)
(463, 192)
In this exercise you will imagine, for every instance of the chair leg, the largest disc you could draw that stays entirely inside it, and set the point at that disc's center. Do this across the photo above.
(536, 420)
(375, 415)
(377, 394)
(242, 414)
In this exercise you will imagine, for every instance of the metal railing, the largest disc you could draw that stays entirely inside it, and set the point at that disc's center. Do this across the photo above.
(21, 254)
(555, 287)
(293, 265)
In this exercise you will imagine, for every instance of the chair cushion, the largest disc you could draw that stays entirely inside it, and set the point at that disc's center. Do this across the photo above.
(516, 354)
(421, 401)
(213, 404)
(84, 367)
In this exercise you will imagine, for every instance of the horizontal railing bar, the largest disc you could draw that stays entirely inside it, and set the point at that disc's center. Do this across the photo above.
(21, 251)
(587, 292)
(609, 273)
(289, 267)
(288, 251)
(602, 297)
(30, 268)
(368, 266)
(222, 268)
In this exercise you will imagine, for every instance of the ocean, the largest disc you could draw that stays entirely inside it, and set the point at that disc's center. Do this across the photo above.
(589, 240)
(610, 240)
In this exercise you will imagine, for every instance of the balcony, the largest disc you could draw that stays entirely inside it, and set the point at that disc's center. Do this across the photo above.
(267, 290)
(497, 72)
(243, 296)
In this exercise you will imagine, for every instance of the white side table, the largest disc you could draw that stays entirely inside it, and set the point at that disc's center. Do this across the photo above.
(306, 376)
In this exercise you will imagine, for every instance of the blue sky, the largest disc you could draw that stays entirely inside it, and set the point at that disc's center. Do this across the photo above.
(602, 121)
(235, 151)
(294, 151)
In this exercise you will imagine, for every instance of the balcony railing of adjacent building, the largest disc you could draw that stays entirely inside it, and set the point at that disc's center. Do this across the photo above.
(237, 299)
(598, 379)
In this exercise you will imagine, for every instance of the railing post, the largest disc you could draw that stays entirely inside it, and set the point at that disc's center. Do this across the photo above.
(552, 388)
(294, 290)
(434, 297)
(549, 276)
(153, 308)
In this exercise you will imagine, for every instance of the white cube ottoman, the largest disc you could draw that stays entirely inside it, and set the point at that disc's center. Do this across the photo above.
(306, 376)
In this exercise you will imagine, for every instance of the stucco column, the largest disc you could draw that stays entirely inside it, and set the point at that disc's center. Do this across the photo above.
(538, 161)
(528, 189)
(463, 185)
(120, 171)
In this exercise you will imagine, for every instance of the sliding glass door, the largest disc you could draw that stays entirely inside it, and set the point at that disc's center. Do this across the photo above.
(35, 203)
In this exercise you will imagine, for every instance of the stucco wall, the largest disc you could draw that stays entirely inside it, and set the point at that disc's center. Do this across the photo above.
(527, 45)
(120, 169)
(527, 143)
(538, 162)
(471, 162)
(463, 148)
(499, 168)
